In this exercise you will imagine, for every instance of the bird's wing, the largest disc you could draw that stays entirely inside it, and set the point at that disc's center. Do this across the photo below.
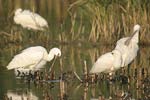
(103, 64)
(120, 45)
(40, 20)
(24, 19)
(36, 18)
(128, 52)
(132, 53)
(26, 59)
(30, 20)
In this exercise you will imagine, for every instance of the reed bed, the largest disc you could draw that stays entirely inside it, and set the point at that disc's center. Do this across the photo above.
(111, 20)
(85, 21)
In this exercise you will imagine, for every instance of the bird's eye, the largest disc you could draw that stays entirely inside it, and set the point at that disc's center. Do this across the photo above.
(58, 54)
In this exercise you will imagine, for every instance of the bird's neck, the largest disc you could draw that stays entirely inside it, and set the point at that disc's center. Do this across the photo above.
(17, 12)
(135, 37)
(117, 54)
(50, 56)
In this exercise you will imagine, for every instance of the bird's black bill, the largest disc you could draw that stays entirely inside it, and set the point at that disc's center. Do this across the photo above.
(127, 42)
(50, 69)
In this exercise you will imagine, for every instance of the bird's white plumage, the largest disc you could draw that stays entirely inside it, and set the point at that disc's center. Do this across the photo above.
(123, 54)
(33, 58)
(30, 20)
(21, 96)
(107, 63)
(129, 52)
(26, 59)
(136, 27)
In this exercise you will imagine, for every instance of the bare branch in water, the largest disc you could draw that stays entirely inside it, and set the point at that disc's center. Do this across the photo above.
(5, 33)
(77, 76)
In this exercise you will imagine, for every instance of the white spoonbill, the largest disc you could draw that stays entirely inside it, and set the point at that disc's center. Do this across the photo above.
(107, 63)
(29, 20)
(128, 46)
(33, 58)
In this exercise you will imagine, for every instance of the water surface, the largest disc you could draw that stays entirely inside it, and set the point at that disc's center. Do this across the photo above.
(73, 58)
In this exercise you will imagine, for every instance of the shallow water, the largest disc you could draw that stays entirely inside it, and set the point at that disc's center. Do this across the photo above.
(73, 60)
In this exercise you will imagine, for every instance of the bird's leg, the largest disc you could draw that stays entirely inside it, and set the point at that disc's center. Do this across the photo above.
(122, 70)
(18, 74)
(93, 78)
(111, 73)
(30, 74)
(23, 74)
(110, 76)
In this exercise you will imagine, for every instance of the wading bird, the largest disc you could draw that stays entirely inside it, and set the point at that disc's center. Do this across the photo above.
(128, 46)
(29, 20)
(107, 63)
(33, 58)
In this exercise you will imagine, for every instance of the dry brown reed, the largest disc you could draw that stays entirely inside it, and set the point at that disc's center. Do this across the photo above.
(115, 19)
(62, 90)
(88, 21)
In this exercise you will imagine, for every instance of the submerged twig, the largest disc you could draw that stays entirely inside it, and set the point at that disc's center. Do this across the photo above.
(62, 89)
(5, 33)
(77, 76)
(51, 81)
(85, 71)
